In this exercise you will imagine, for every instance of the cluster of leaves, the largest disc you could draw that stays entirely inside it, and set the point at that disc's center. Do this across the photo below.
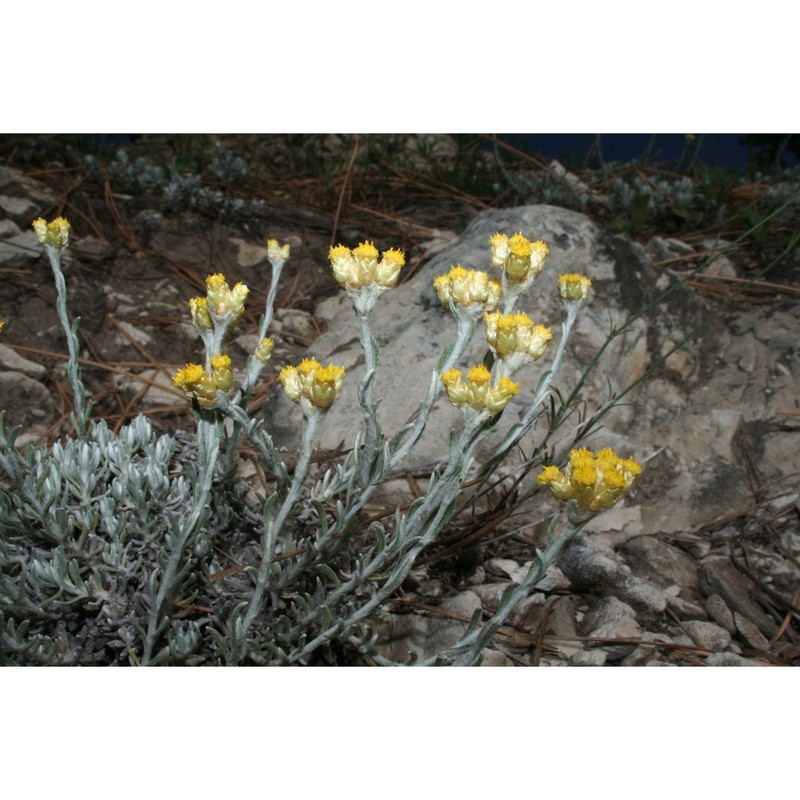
(83, 540)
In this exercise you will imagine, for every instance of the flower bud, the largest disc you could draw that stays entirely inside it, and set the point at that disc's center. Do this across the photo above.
(55, 233)
(389, 268)
(573, 287)
(264, 350)
(455, 387)
(200, 315)
(365, 257)
(217, 291)
(223, 373)
(292, 385)
(277, 253)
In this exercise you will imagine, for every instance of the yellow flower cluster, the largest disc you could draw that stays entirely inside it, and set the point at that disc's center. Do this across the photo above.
(520, 259)
(277, 253)
(515, 333)
(318, 385)
(55, 233)
(202, 385)
(477, 391)
(221, 299)
(573, 287)
(361, 267)
(593, 482)
(468, 288)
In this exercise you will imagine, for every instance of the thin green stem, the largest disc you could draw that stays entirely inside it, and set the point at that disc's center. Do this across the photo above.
(467, 651)
(253, 370)
(73, 345)
(518, 430)
(274, 524)
(371, 354)
(465, 330)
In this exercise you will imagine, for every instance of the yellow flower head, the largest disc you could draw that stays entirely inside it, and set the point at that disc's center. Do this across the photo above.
(520, 259)
(468, 289)
(224, 300)
(55, 233)
(1, 326)
(477, 391)
(197, 383)
(573, 287)
(277, 253)
(479, 375)
(311, 382)
(308, 366)
(508, 334)
(360, 267)
(326, 385)
(592, 482)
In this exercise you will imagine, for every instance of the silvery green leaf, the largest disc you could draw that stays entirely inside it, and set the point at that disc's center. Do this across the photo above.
(445, 355)
(327, 571)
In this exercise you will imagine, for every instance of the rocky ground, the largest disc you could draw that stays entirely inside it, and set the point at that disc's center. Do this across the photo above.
(701, 566)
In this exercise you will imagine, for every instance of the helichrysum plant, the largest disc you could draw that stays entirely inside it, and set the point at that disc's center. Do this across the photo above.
(130, 548)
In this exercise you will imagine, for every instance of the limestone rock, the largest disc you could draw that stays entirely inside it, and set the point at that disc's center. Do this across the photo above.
(681, 607)
(721, 577)
(730, 660)
(718, 610)
(697, 408)
(90, 248)
(407, 635)
(610, 618)
(152, 387)
(645, 654)
(592, 567)
(25, 400)
(20, 250)
(9, 228)
(664, 564)
(11, 360)
(707, 635)
(249, 255)
(750, 632)
(588, 658)
(17, 208)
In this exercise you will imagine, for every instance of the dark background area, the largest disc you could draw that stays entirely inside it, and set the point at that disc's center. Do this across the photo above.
(732, 150)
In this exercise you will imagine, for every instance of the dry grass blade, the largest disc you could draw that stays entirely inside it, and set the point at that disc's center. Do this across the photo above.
(724, 287)
(346, 183)
(787, 620)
